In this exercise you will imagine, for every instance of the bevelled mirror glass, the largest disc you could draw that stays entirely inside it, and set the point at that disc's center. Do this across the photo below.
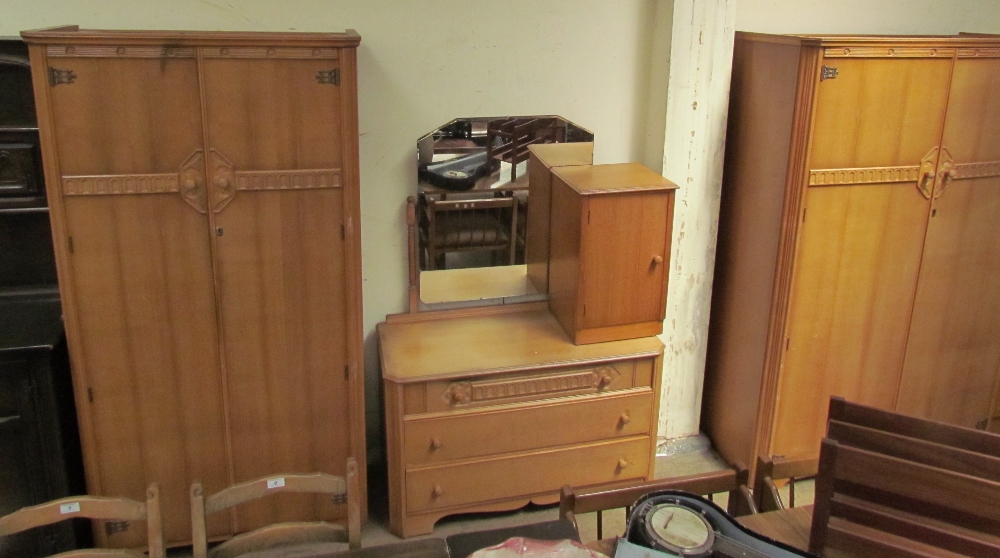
(473, 203)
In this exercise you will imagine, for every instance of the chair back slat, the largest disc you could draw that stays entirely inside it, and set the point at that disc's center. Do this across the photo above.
(316, 483)
(853, 540)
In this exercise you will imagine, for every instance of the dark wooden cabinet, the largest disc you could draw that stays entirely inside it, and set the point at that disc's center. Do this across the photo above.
(39, 442)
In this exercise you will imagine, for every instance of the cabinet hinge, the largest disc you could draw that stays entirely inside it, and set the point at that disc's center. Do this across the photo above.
(828, 72)
(347, 372)
(804, 209)
(90, 394)
(70, 244)
(58, 77)
(343, 232)
(588, 216)
(788, 342)
(584, 309)
(328, 77)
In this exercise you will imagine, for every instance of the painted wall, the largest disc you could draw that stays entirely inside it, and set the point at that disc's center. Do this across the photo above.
(422, 64)
(900, 17)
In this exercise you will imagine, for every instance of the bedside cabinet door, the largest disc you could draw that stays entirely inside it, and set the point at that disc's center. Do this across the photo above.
(624, 255)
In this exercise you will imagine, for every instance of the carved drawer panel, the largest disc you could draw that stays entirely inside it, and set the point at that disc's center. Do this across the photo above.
(527, 426)
(533, 385)
(442, 487)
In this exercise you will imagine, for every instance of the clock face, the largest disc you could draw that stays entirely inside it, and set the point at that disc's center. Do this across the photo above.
(680, 529)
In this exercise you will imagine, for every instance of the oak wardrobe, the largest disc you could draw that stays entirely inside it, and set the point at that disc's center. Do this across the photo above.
(205, 203)
(859, 242)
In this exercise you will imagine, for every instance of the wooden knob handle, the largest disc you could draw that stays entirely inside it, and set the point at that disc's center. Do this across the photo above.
(604, 380)
(435, 443)
(438, 491)
(222, 183)
(622, 463)
(657, 260)
(625, 419)
(189, 185)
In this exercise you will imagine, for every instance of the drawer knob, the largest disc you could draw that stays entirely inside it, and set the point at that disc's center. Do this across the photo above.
(622, 464)
(604, 380)
(657, 260)
(624, 419)
(438, 491)
(435, 443)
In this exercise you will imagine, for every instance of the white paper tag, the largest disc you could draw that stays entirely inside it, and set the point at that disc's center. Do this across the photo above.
(72, 507)
(276, 483)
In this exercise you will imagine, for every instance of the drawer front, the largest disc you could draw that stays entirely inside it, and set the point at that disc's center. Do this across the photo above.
(435, 488)
(527, 426)
(534, 385)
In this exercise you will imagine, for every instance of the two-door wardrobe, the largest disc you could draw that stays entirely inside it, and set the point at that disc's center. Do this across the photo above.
(859, 238)
(205, 209)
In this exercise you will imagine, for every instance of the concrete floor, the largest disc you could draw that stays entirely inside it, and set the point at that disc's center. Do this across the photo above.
(684, 457)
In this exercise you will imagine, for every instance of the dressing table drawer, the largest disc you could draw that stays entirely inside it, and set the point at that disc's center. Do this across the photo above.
(436, 488)
(526, 426)
(534, 385)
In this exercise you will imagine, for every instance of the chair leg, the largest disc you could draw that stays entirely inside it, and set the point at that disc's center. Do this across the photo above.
(600, 525)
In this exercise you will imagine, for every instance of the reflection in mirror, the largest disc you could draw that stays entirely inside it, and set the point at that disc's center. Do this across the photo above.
(473, 188)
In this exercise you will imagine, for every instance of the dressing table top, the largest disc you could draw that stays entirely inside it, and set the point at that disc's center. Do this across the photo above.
(493, 340)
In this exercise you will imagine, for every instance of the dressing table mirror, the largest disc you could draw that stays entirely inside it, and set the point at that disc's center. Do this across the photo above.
(469, 223)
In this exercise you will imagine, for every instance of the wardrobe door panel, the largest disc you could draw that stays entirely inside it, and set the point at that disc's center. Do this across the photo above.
(953, 355)
(141, 308)
(853, 289)
(281, 271)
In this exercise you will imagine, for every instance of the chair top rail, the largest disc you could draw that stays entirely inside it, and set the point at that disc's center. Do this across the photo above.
(317, 483)
(702, 483)
(92, 507)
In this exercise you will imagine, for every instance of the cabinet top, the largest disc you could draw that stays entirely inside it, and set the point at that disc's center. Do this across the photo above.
(563, 154)
(441, 345)
(971, 40)
(74, 35)
(608, 179)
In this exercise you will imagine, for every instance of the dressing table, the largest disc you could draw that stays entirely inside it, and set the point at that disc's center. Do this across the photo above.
(491, 408)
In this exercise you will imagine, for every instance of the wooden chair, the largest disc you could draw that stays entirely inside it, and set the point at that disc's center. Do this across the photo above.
(893, 485)
(765, 493)
(94, 507)
(733, 481)
(507, 139)
(343, 491)
(468, 225)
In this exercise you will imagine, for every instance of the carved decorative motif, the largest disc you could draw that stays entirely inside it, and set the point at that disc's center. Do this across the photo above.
(118, 184)
(866, 175)
(288, 180)
(108, 51)
(492, 390)
(887, 52)
(977, 170)
(192, 182)
(223, 180)
(979, 53)
(271, 52)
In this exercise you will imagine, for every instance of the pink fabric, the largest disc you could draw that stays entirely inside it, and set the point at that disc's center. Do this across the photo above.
(520, 547)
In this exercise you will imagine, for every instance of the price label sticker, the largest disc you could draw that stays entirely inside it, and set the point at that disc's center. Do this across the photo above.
(275, 483)
(72, 507)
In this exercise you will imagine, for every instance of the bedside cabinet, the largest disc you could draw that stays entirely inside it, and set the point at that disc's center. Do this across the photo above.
(492, 409)
(610, 248)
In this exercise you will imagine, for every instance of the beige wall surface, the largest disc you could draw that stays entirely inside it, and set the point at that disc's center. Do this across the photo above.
(422, 63)
(898, 17)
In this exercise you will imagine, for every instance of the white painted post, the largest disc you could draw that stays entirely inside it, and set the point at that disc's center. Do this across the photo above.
(701, 57)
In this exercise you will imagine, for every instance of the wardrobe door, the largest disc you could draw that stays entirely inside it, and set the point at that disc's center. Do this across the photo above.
(859, 244)
(136, 277)
(953, 354)
(275, 133)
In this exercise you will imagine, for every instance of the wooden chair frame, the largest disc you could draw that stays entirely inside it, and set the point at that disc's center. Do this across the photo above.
(765, 492)
(892, 485)
(733, 481)
(347, 490)
(94, 507)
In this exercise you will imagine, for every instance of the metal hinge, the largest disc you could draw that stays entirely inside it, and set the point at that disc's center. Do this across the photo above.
(804, 209)
(828, 72)
(347, 372)
(328, 77)
(70, 244)
(90, 394)
(57, 76)
(343, 232)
